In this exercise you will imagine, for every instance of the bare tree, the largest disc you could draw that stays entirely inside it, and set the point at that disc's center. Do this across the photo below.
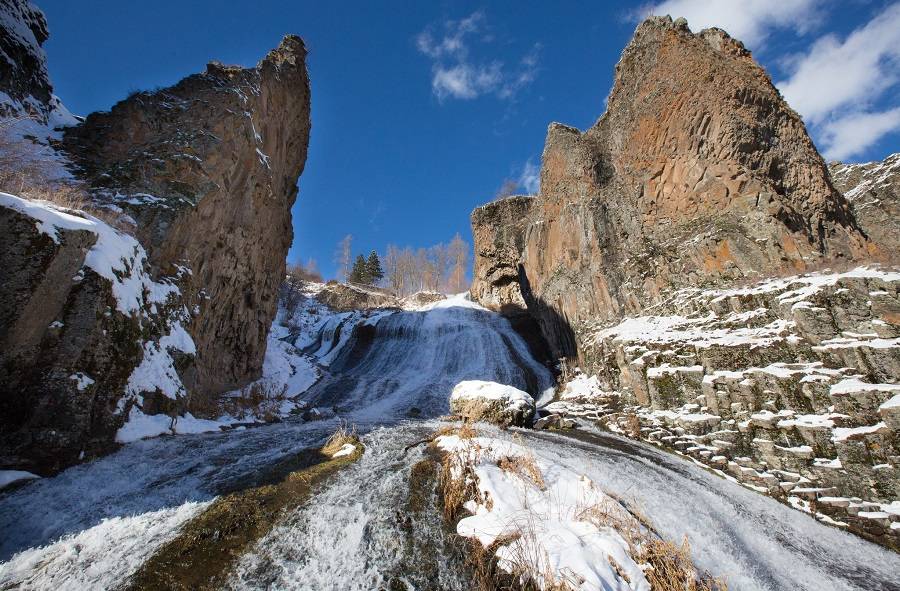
(458, 251)
(440, 260)
(392, 274)
(343, 256)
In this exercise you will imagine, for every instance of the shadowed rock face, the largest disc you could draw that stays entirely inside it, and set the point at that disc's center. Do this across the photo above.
(697, 174)
(23, 69)
(207, 169)
(220, 154)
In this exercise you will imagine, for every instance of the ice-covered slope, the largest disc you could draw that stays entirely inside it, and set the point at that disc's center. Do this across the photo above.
(407, 362)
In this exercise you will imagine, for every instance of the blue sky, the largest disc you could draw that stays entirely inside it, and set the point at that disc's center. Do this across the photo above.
(421, 110)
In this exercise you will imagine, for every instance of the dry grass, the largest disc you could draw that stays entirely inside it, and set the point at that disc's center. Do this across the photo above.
(343, 435)
(465, 431)
(671, 566)
(457, 482)
(525, 467)
(26, 171)
(631, 425)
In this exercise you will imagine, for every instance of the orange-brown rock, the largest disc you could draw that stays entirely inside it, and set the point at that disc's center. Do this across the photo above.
(698, 174)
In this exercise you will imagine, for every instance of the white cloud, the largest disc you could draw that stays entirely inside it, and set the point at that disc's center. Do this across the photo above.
(853, 133)
(465, 81)
(530, 179)
(452, 44)
(835, 74)
(748, 20)
(836, 83)
(456, 75)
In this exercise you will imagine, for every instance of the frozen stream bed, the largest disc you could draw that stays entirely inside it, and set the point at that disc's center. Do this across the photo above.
(93, 525)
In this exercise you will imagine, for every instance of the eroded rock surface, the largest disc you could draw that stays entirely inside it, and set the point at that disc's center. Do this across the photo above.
(167, 307)
(697, 174)
(23, 67)
(873, 190)
(788, 385)
(208, 168)
(638, 259)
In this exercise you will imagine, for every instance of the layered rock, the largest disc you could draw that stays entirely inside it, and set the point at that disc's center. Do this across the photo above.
(172, 306)
(697, 174)
(788, 385)
(84, 332)
(873, 190)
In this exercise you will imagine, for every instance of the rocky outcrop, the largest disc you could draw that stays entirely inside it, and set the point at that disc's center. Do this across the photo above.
(208, 168)
(171, 307)
(82, 324)
(490, 402)
(499, 231)
(345, 297)
(23, 67)
(788, 385)
(697, 174)
(873, 190)
(638, 258)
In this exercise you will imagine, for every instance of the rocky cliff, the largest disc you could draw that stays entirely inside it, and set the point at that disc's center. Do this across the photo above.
(645, 260)
(697, 174)
(208, 169)
(23, 69)
(873, 190)
(163, 302)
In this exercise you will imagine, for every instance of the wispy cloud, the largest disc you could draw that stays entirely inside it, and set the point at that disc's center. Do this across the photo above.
(751, 21)
(530, 179)
(852, 134)
(456, 74)
(836, 83)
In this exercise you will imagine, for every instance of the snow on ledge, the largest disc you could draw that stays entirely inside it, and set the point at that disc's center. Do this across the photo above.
(115, 256)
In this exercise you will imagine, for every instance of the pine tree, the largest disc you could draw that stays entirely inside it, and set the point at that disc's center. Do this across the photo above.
(359, 273)
(373, 269)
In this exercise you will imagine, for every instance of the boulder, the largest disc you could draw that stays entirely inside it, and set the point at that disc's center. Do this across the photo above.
(344, 297)
(490, 402)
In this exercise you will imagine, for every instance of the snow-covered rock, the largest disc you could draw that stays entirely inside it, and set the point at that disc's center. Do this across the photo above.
(477, 400)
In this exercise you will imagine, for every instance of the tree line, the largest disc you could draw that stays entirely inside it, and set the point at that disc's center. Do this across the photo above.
(405, 270)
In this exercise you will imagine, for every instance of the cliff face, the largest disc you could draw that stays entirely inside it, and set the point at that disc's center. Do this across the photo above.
(107, 323)
(697, 174)
(23, 69)
(208, 168)
(873, 190)
(698, 177)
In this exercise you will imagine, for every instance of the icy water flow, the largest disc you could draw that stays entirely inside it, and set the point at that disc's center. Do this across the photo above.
(92, 526)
